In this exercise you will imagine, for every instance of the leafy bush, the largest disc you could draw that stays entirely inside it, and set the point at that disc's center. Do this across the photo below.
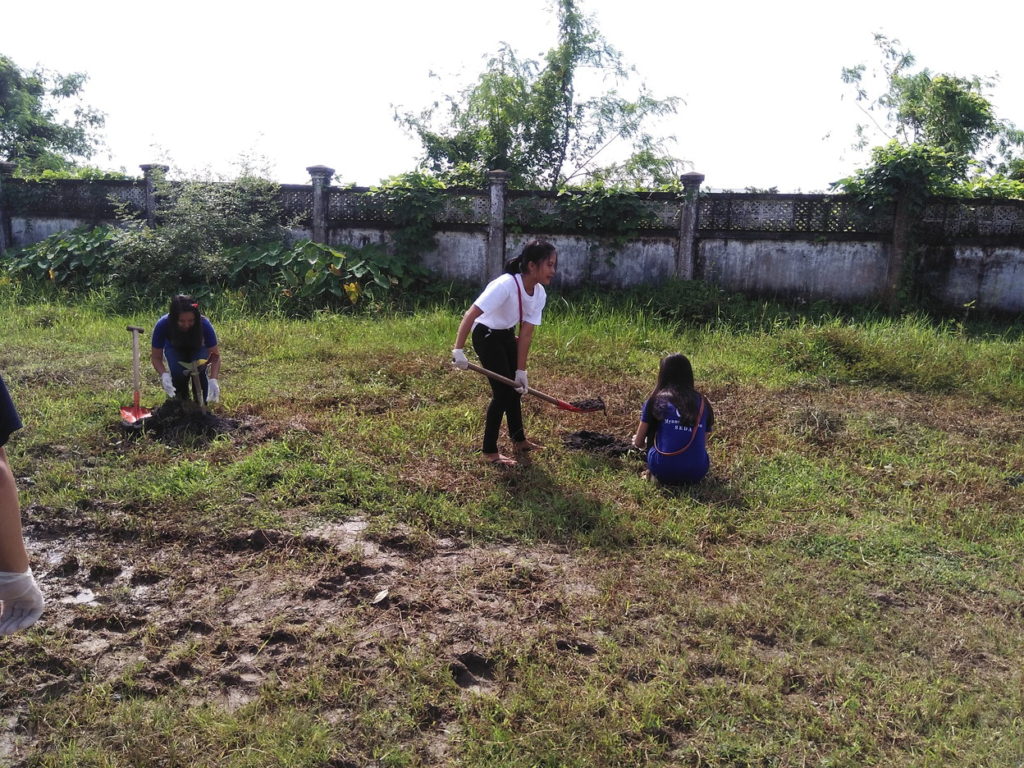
(76, 259)
(196, 222)
(84, 172)
(307, 275)
(913, 171)
(299, 276)
(992, 186)
(205, 217)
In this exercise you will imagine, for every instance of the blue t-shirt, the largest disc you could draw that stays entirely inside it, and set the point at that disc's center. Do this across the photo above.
(677, 468)
(174, 359)
(10, 422)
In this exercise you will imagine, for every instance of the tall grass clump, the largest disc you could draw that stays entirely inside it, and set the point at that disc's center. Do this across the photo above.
(911, 353)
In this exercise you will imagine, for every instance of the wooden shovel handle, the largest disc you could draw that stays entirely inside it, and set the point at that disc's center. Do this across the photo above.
(136, 374)
(511, 383)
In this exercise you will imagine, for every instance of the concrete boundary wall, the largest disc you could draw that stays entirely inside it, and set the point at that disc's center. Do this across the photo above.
(987, 277)
(794, 246)
(847, 271)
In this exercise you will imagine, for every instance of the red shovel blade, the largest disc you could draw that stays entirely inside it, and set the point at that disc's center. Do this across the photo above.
(132, 413)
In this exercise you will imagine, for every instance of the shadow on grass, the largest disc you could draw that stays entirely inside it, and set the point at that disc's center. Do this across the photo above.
(545, 509)
(711, 491)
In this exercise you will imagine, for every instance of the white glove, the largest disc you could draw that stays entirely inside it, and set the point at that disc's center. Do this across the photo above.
(23, 602)
(212, 391)
(167, 384)
(521, 383)
(459, 359)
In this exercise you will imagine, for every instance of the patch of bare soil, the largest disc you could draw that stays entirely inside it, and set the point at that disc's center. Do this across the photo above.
(218, 617)
(177, 421)
(596, 442)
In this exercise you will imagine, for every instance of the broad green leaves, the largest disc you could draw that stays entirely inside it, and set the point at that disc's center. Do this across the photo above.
(299, 277)
(77, 259)
(308, 274)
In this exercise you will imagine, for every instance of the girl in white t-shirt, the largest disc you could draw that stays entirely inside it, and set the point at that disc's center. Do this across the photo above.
(517, 296)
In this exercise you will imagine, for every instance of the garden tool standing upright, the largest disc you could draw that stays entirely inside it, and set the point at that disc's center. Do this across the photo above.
(135, 413)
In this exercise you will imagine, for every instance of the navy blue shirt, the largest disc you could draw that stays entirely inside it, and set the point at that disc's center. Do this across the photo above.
(10, 422)
(160, 341)
(666, 458)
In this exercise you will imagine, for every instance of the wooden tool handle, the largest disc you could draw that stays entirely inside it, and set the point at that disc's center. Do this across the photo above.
(511, 383)
(136, 375)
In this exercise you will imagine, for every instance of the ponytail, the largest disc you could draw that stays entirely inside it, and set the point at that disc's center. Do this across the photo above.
(534, 252)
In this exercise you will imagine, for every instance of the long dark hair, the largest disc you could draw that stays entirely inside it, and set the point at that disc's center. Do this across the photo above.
(187, 343)
(675, 386)
(534, 252)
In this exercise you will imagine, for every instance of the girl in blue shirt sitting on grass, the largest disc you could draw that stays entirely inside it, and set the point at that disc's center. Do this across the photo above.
(674, 423)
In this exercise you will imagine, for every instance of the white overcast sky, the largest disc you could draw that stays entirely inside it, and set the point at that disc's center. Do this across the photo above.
(303, 83)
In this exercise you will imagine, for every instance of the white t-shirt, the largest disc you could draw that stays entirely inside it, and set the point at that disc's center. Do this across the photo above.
(500, 303)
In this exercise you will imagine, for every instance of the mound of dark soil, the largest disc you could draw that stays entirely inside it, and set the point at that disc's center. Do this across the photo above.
(177, 420)
(589, 405)
(596, 442)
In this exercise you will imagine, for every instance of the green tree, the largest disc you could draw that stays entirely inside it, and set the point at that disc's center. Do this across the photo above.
(33, 134)
(943, 139)
(526, 117)
(941, 128)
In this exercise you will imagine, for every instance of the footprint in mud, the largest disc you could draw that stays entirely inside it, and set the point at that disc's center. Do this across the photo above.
(146, 577)
(103, 574)
(580, 647)
(469, 669)
(279, 636)
(193, 627)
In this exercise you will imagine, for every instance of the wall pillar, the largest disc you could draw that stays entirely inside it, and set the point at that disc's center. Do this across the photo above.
(320, 176)
(686, 255)
(152, 174)
(498, 183)
(6, 238)
(899, 253)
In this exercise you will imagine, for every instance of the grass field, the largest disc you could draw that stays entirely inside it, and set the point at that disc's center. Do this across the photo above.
(339, 581)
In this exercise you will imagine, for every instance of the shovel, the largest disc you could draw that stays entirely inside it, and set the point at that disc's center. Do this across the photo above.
(192, 369)
(578, 406)
(135, 412)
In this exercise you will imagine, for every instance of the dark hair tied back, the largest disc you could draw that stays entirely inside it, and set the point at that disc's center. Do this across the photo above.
(534, 252)
(674, 385)
(190, 341)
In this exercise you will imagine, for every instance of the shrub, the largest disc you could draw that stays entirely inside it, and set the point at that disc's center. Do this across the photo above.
(307, 275)
(76, 259)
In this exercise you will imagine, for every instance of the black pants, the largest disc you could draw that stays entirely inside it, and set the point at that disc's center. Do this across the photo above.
(497, 352)
(183, 384)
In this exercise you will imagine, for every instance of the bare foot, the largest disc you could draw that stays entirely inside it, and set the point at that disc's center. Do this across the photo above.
(499, 460)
